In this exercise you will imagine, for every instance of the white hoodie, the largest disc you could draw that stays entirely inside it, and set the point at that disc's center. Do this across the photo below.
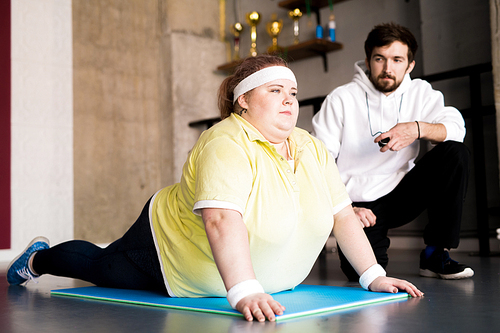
(354, 114)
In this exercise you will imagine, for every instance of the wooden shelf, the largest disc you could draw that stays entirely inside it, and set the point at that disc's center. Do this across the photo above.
(311, 48)
(301, 4)
(316, 5)
(230, 66)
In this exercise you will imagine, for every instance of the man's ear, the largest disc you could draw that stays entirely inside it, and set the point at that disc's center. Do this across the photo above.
(367, 63)
(410, 67)
(242, 101)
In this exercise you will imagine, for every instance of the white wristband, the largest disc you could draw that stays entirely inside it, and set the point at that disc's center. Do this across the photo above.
(371, 274)
(242, 290)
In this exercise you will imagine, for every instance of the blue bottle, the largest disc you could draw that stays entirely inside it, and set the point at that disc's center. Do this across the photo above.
(319, 31)
(331, 28)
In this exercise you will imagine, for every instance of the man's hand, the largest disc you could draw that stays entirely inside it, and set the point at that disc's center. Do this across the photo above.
(401, 136)
(365, 216)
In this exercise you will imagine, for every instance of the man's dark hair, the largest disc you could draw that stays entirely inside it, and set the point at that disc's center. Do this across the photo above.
(387, 33)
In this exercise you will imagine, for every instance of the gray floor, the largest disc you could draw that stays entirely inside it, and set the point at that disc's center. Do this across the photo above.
(471, 305)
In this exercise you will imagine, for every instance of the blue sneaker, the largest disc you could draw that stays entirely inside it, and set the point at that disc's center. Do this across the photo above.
(18, 271)
(440, 265)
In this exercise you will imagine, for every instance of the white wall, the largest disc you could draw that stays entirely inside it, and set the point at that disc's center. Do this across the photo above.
(42, 122)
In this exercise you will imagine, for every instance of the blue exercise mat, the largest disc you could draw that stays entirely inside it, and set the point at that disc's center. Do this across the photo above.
(304, 300)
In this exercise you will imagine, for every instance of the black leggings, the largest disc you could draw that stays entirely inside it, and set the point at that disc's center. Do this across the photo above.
(130, 262)
(438, 183)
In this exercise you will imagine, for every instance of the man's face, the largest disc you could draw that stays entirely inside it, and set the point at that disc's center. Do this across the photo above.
(388, 65)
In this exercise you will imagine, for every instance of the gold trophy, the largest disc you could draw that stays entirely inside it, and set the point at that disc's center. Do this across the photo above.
(253, 19)
(273, 29)
(295, 15)
(236, 30)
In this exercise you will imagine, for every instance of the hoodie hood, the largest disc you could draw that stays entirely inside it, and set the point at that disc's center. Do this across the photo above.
(354, 114)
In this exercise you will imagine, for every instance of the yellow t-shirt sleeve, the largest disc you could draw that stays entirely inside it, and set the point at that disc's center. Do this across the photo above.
(223, 173)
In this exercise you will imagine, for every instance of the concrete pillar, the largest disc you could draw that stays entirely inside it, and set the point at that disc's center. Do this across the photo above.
(142, 71)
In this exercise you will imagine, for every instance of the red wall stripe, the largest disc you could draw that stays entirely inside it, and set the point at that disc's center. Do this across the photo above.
(5, 105)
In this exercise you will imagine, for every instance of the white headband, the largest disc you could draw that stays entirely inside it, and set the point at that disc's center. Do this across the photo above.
(261, 77)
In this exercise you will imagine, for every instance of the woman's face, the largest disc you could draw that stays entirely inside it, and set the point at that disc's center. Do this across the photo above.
(272, 108)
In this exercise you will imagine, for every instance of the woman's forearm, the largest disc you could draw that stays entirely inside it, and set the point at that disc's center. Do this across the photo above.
(352, 240)
(228, 238)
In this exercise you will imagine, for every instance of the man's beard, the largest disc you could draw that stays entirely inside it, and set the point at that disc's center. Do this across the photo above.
(384, 86)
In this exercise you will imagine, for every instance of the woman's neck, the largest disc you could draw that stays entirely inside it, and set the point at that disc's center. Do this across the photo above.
(283, 150)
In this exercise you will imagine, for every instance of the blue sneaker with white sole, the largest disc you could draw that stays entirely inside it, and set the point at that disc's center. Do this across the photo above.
(440, 265)
(18, 271)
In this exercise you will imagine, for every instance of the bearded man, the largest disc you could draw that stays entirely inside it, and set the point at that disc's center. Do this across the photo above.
(373, 127)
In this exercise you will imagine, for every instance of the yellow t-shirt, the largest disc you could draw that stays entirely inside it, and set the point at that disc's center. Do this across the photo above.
(288, 211)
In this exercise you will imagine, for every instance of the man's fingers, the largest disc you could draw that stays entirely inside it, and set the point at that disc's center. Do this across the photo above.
(367, 221)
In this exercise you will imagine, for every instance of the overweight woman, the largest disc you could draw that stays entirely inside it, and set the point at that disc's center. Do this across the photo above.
(257, 200)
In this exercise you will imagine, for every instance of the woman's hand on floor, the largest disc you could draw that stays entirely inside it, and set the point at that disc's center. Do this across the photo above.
(260, 306)
(392, 285)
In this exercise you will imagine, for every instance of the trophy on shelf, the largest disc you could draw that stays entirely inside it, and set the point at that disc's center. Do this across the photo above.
(295, 15)
(253, 19)
(236, 30)
(273, 29)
